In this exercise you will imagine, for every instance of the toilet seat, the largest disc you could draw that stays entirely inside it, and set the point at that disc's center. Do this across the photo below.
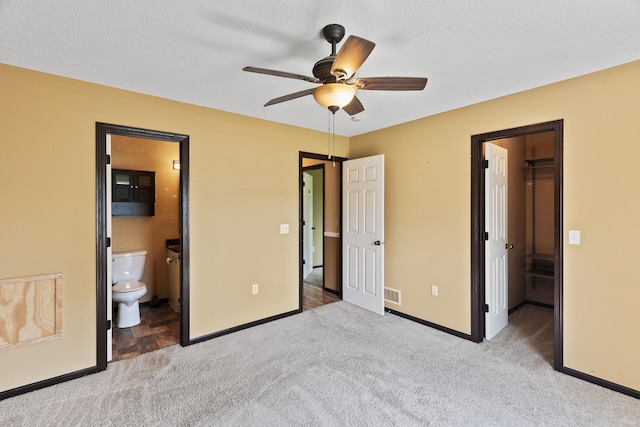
(128, 286)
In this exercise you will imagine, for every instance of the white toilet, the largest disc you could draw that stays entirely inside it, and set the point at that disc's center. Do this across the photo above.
(127, 270)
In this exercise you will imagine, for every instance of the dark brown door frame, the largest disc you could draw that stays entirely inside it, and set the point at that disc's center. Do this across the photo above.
(305, 155)
(102, 129)
(477, 228)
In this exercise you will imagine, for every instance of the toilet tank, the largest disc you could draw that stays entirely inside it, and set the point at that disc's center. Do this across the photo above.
(127, 265)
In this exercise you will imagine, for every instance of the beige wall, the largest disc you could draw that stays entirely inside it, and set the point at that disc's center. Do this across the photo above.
(427, 228)
(333, 224)
(47, 166)
(47, 157)
(150, 232)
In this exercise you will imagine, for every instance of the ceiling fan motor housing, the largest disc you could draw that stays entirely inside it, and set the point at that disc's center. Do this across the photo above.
(322, 69)
(333, 33)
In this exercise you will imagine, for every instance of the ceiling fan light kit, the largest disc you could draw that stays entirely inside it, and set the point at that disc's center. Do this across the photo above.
(335, 75)
(334, 95)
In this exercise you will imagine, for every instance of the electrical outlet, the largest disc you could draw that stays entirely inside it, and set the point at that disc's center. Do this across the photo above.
(254, 289)
(434, 290)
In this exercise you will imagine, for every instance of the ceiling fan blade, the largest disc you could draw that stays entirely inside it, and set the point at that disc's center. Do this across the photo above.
(354, 107)
(289, 97)
(281, 74)
(351, 56)
(390, 83)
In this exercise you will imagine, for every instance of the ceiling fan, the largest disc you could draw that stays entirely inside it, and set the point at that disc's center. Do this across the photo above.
(335, 75)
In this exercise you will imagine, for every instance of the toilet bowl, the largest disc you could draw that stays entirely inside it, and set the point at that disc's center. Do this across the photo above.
(127, 295)
(128, 268)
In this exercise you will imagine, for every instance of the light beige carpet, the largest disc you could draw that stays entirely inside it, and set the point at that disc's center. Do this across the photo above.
(337, 365)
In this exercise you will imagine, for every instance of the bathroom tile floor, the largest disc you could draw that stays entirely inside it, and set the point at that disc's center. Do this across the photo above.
(159, 327)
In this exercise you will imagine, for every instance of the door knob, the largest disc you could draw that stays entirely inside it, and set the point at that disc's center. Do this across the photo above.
(508, 246)
(377, 243)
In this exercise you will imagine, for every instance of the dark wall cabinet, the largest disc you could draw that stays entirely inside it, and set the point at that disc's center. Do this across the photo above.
(133, 193)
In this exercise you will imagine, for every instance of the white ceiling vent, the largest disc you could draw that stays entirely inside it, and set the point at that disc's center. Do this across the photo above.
(392, 295)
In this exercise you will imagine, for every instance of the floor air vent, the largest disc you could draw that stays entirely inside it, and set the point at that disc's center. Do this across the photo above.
(392, 295)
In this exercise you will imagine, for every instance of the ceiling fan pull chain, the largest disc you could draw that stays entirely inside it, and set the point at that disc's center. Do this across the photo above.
(333, 137)
(329, 135)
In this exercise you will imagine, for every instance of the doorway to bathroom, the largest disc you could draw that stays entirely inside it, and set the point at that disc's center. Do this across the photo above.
(158, 226)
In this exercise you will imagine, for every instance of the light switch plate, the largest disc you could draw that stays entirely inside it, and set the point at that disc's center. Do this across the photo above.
(574, 237)
(284, 228)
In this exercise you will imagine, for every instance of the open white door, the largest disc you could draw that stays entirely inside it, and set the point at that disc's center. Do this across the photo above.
(363, 228)
(496, 265)
(109, 266)
(307, 224)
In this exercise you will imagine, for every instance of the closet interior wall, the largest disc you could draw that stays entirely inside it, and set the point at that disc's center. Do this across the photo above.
(539, 161)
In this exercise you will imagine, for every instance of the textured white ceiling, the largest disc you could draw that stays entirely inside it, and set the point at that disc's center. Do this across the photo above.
(194, 50)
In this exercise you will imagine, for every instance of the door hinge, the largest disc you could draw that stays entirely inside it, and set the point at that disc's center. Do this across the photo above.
(485, 164)
(108, 242)
(108, 324)
(485, 236)
(304, 262)
(108, 159)
(485, 308)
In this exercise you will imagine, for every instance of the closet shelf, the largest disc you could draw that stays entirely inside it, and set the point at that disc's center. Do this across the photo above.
(541, 257)
(541, 273)
(541, 163)
(540, 160)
